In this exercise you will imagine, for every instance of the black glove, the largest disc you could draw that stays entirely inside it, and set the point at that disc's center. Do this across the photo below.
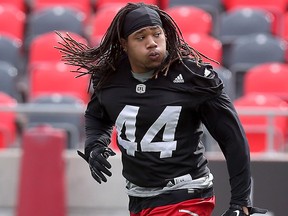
(98, 163)
(236, 210)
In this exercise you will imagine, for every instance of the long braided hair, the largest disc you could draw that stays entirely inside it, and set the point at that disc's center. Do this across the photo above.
(102, 61)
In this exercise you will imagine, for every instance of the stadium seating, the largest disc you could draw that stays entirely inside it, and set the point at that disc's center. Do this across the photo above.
(51, 19)
(113, 143)
(201, 21)
(226, 31)
(8, 77)
(15, 26)
(267, 78)
(242, 22)
(256, 126)
(12, 53)
(246, 52)
(19, 4)
(100, 22)
(163, 4)
(57, 78)
(228, 79)
(213, 7)
(83, 5)
(285, 26)
(72, 123)
(255, 49)
(277, 9)
(208, 3)
(8, 119)
(42, 48)
(103, 3)
(206, 44)
(280, 5)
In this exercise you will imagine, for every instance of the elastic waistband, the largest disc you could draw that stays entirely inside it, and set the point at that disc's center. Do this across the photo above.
(137, 204)
(187, 179)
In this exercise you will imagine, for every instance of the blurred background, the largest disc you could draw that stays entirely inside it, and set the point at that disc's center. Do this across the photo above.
(42, 103)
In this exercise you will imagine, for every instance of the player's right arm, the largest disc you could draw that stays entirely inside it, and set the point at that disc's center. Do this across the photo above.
(98, 131)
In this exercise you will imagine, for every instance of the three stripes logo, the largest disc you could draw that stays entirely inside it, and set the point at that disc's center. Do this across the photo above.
(179, 79)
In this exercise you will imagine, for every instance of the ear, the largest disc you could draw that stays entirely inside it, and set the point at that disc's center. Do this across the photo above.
(124, 44)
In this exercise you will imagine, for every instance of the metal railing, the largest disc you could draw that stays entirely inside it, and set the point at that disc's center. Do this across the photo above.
(270, 113)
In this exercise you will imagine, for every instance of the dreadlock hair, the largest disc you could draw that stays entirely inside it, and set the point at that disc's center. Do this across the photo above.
(102, 61)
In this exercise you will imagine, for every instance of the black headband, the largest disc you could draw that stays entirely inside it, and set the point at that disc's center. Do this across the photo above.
(140, 18)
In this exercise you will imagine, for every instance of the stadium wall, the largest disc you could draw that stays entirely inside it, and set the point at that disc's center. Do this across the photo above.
(270, 177)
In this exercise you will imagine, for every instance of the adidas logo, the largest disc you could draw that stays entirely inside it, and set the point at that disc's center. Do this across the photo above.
(170, 184)
(179, 79)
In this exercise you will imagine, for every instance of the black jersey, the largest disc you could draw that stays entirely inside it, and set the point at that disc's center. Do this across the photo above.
(159, 125)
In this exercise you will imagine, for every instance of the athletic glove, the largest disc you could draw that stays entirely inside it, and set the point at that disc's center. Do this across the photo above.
(98, 163)
(236, 210)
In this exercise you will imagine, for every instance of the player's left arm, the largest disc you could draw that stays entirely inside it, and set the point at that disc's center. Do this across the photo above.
(222, 121)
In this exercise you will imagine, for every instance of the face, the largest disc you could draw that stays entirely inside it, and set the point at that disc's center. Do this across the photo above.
(146, 48)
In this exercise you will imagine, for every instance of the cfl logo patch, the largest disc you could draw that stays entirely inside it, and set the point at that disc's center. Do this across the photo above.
(140, 88)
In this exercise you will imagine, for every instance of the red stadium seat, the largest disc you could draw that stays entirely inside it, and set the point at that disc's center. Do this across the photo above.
(191, 19)
(19, 4)
(42, 48)
(3, 136)
(7, 121)
(101, 21)
(206, 44)
(257, 125)
(277, 4)
(57, 78)
(267, 78)
(12, 22)
(285, 26)
(163, 4)
(103, 3)
(113, 143)
(213, 7)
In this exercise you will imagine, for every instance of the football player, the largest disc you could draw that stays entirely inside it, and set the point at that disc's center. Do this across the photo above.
(157, 92)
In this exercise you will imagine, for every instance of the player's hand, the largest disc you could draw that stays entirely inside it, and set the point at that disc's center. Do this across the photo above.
(236, 210)
(98, 163)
